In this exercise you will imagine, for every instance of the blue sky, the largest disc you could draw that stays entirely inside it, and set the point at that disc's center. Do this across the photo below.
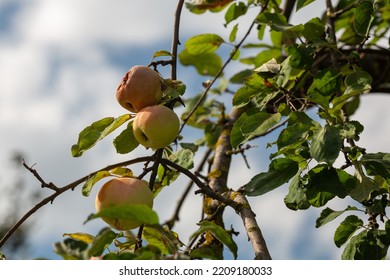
(60, 64)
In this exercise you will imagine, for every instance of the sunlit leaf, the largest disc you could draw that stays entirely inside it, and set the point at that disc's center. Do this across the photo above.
(200, 6)
(80, 236)
(95, 132)
(233, 33)
(100, 243)
(122, 171)
(125, 142)
(161, 53)
(208, 64)
(88, 185)
(234, 11)
(203, 43)
(251, 124)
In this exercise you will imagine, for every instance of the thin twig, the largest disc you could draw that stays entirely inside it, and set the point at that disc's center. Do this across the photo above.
(175, 39)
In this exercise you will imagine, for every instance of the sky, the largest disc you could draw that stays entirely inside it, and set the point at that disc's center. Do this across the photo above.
(60, 64)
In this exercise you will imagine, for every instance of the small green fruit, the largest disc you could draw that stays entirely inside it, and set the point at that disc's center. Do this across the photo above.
(156, 126)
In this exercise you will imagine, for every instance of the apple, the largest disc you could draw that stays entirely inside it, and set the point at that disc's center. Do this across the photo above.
(156, 126)
(123, 191)
(140, 87)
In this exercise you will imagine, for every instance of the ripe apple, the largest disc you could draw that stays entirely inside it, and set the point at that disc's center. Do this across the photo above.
(140, 87)
(123, 191)
(156, 126)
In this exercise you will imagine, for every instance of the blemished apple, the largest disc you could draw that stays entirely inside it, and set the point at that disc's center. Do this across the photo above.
(123, 191)
(156, 126)
(139, 88)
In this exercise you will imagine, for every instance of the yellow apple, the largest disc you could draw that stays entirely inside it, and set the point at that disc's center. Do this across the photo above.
(123, 191)
(140, 87)
(156, 126)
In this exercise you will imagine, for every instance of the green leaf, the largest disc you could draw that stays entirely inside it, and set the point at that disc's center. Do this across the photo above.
(243, 96)
(324, 86)
(300, 56)
(122, 171)
(71, 249)
(184, 158)
(204, 253)
(278, 22)
(367, 245)
(88, 185)
(351, 130)
(235, 11)
(252, 124)
(328, 215)
(281, 170)
(95, 132)
(80, 236)
(199, 7)
(161, 238)
(259, 124)
(219, 233)
(101, 242)
(326, 144)
(357, 83)
(161, 53)
(296, 198)
(206, 63)
(175, 88)
(303, 3)
(125, 142)
(363, 17)
(137, 212)
(377, 164)
(352, 246)
(203, 43)
(346, 229)
(324, 183)
(233, 33)
(314, 30)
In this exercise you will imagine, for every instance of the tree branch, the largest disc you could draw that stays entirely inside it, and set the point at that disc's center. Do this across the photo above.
(253, 231)
(59, 191)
